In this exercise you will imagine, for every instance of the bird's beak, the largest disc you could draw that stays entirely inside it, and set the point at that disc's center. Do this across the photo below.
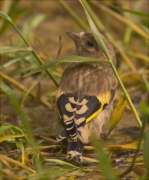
(74, 36)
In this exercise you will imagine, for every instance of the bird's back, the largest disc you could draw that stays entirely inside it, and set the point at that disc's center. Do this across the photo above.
(92, 79)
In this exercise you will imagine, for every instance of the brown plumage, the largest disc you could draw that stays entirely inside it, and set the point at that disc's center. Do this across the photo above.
(85, 95)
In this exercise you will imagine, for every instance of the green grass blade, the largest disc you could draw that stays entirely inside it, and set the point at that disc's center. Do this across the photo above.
(65, 59)
(13, 98)
(3, 128)
(60, 162)
(104, 163)
(10, 49)
(78, 20)
(15, 129)
(141, 14)
(12, 129)
(1, 167)
(5, 16)
(145, 114)
(30, 89)
(13, 8)
(103, 47)
(117, 114)
(10, 63)
(20, 146)
(146, 149)
(96, 32)
(5, 137)
(146, 82)
(44, 48)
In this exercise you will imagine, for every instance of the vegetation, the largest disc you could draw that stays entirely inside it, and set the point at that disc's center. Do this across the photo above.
(25, 154)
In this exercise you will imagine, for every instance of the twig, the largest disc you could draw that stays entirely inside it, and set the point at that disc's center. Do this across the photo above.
(138, 56)
(45, 138)
(89, 148)
(16, 163)
(23, 88)
(60, 47)
(137, 151)
(91, 160)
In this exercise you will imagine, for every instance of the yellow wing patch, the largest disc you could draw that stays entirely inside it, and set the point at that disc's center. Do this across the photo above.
(103, 99)
(96, 112)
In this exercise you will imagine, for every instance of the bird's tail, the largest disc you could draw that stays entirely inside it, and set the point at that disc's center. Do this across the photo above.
(75, 151)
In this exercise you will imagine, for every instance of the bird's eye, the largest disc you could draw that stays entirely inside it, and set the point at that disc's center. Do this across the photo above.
(90, 44)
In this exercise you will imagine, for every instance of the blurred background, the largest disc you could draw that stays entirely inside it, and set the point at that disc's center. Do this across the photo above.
(44, 24)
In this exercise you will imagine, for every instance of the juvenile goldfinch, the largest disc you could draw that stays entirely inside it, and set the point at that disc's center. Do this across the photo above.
(85, 95)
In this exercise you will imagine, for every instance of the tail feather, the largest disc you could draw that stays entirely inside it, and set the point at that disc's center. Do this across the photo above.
(75, 151)
(71, 129)
(62, 135)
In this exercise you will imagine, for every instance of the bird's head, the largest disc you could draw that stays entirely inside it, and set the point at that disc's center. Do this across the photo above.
(87, 46)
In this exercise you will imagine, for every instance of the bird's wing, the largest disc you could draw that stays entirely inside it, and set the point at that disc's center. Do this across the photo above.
(75, 112)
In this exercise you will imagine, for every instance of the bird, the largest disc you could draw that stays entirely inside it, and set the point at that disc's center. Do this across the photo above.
(85, 95)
